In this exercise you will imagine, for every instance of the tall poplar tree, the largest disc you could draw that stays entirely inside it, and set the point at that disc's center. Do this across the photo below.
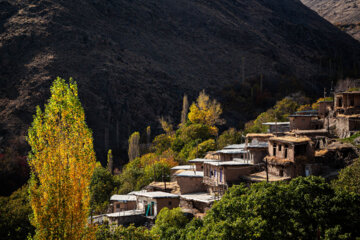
(62, 161)
(134, 146)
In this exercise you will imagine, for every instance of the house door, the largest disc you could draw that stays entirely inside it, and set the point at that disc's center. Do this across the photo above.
(307, 171)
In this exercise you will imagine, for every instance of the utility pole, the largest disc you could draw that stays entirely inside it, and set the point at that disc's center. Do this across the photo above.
(266, 169)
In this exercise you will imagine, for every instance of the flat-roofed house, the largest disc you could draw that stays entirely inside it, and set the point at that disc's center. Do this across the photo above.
(256, 151)
(190, 181)
(230, 154)
(288, 156)
(218, 176)
(277, 127)
(199, 163)
(123, 202)
(325, 107)
(347, 102)
(305, 120)
(152, 202)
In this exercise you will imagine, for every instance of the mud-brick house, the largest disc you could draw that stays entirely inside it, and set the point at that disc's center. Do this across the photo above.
(290, 156)
(197, 202)
(257, 137)
(190, 181)
(347, 125)
(277, 127)
(256, 151)
(305, 120)
(152, 202)
(199, 163)
(347, 102)
(220, 175)
(325, 107)
(123, 202)
(230, 154)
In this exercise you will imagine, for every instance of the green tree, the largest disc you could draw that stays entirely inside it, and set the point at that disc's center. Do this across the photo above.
(101, 186)
(168, 223)
(230, 136)
(14, 212)
(104, 232)
(349, 178)
(134, 146)
(201, 149)
(110, 161)
(62, 161)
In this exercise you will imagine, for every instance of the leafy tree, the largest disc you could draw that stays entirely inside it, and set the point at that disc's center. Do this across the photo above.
(185, 110)
(168, 222)
(230, 136)
(205, 111)
(349, 178)
(279, 112)
(14, 212)
(315, 106)
(303, 209)
(104, 232)
(110, 161)
(200, 150)
(101, 186)
(148, 135)
(166, 126)
(62, 162)
(134, 147)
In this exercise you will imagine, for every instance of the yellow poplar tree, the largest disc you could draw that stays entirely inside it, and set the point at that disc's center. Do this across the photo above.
(62, 161)
(206, 111)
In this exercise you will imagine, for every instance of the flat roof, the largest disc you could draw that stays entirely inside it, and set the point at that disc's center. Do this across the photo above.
(199, 197)
(123, 198)
(261, 176)
(230, 163)
(290, 139)
(200, 160)
(231, 151)
(258, 145)
(156, 194)
(125, 213)
(235, 146)
(191, 174)
(276, 123)
(259, 135)
(183, 167)
(310, 131)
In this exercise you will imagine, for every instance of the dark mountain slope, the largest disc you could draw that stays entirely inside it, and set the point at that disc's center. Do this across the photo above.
(345, 14)
(133, 60)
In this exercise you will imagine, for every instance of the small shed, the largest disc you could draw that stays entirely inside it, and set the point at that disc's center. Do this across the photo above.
(190, 181)
(152, 202)
(123, 202)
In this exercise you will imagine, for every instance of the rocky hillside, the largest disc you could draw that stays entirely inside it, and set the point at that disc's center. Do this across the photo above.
(345, 14)
(133, 60)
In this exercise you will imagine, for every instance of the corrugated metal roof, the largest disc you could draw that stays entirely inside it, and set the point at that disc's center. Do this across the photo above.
(156, 194)
(276, 123)
(199, 197)
(230, 163)
(231, 151)
(200, 160)
(123, 198)
(235, 146)
(183, 167)
(125, 213)
(258, 145)
(191, 174)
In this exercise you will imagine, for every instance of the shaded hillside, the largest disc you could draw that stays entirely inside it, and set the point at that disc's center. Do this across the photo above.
(133, 60)
(345, 14)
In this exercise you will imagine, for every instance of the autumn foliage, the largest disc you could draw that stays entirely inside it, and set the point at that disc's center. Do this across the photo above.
(62, 161)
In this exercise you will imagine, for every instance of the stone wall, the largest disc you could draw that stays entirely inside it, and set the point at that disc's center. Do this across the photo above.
(190, 184)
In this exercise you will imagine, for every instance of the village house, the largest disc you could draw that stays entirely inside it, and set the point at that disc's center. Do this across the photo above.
(190, 181)
(199, 202)
(199, 163)
(218, 176)
(325, 107)
(151, 203)
(123, 202)
(255, 152)
(347, 109)
(230, 154)
(180, 168)
(347, 103)
(305, 120)
(290, 156)
(257, 137)
(277, 127)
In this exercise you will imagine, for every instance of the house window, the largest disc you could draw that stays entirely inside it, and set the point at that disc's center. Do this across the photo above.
(221, 173)
(280, 148)
(286, 152)
(170, 203)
